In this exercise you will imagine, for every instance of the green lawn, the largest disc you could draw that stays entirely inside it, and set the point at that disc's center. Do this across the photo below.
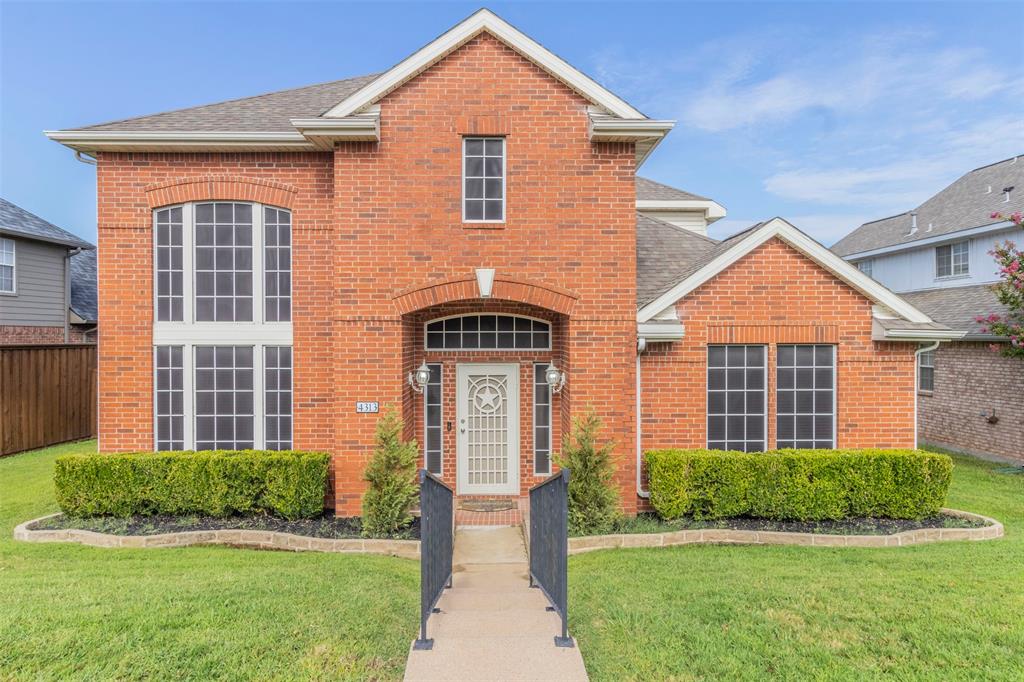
(937, 612)
(72, 612)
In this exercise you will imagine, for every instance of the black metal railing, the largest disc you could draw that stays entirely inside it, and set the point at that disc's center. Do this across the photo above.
(549, 545)
(436, 546)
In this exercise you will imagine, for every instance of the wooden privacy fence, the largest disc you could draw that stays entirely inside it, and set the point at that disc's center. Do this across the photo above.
(47, 395)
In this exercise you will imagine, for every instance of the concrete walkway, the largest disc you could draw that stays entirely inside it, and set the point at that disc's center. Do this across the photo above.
(492, 626)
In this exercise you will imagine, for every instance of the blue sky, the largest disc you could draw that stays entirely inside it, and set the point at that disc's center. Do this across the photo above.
(828, 114)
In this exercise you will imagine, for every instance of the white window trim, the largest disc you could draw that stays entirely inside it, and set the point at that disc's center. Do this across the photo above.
(835, 391)
(440, 471)
(14, 268)
(953, 275)
(920, 366)
(707, 392)
(504, 174)
(488, 350)
(550, 427)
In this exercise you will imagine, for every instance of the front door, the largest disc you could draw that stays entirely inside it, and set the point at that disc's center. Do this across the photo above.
(488, 438)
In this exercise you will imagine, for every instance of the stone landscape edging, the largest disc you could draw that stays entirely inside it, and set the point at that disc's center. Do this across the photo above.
(589, 543)
(256, 539)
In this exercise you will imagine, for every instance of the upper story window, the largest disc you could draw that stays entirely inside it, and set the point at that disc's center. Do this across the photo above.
(488, 332)
(483, 179)
(222, 261)
(866, 266)
(952, 260)
(7, 266)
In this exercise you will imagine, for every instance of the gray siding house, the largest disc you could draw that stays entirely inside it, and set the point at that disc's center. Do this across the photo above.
(47, 281)
(936, 256)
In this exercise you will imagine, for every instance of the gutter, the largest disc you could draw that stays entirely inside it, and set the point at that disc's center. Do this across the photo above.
(917, 380)
(641, 346)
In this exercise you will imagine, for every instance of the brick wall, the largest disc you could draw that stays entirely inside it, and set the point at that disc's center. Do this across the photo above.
(776, 295)
(11, 335)
(972, 382)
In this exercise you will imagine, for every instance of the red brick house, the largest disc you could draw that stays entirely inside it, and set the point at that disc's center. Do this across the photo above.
(274, 269)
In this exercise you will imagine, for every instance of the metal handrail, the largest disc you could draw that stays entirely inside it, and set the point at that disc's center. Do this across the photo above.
(549, 546)
(437, 542)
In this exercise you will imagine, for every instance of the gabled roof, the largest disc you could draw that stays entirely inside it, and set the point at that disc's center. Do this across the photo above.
(967, 203)
(83, 285)
(956, 307)
(649, 190)
(18, 222)
(663, 253)
(711, 262)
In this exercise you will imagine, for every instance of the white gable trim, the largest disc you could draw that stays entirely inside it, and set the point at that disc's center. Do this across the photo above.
(482, 20)
(777, 227)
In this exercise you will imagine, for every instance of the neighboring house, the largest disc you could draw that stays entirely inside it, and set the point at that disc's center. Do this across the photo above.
(47, 281)
(937, 257)
(280, 267)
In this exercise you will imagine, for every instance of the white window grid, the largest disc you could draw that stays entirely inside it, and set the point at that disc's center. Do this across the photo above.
(277, 256)
(805, 396)
(541, 420)
(483, 179)
(277, 397)
(926, 371)
(737, 397)
(7, 267)
(169, 383)
(223, 262)
(225, 401)
(170, 265)
(433, 419)
(866, 266)
(953, 260)
(487, 332)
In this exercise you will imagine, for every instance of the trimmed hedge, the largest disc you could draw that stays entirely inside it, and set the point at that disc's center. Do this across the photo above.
(803, 485)
(289, 484)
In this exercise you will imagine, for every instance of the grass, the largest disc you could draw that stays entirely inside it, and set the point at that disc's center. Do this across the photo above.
(932, 612)
(197, 613)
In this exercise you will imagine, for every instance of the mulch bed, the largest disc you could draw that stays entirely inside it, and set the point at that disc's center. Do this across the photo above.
(326, 526)
(651, 523)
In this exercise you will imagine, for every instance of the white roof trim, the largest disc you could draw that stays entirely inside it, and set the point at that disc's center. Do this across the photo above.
(712, 209)
(92, 140)
(929, 241)
(325, 132)
(777, 227)
(919, 335)
(482, 20)
(661, 331)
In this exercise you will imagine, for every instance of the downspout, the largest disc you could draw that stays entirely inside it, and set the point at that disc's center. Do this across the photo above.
(67, 292)
(917, 380)
(641, 346)
(85, 159)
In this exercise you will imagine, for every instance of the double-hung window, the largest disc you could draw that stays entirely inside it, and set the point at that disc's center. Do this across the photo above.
(736, 398)
(7, 266)
(483, 179)
(866, 266)
(805, 396)
(953, 260)
(222, 326)
(926, 371)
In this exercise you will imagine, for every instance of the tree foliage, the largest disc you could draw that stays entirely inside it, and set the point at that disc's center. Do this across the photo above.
(391, 474)
(1010, 292)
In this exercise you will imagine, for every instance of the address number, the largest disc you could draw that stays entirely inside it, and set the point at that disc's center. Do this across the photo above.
(367, 408)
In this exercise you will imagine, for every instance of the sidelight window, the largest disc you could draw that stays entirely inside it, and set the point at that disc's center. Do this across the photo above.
(432, 418)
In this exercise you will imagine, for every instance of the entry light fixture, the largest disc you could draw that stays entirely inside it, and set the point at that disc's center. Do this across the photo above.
(419, 379)
(555, 378)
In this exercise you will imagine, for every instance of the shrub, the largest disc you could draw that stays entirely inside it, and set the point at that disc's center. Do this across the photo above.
(289, 484)
(391, 474)
(593, 496)
(805, 485)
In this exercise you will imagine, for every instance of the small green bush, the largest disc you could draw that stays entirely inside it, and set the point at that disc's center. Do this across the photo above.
(391, 474)
(593, 496)
(803, 485)
(289, 484)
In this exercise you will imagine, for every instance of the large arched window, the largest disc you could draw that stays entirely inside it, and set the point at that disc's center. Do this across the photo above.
(488, 332)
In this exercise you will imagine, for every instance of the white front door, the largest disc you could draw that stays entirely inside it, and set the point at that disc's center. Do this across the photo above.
(488, 438)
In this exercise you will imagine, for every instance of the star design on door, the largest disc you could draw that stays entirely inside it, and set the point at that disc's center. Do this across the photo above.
(488, 399)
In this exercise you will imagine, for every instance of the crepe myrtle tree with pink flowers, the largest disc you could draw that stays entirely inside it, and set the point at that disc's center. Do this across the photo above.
(1010, 292)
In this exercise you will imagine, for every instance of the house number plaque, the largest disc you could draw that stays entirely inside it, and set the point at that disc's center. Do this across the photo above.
(367, 407)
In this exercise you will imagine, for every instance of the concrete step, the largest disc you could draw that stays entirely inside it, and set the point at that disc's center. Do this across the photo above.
(530, 657)
(482, 599)
(475, 624)
(493, 580)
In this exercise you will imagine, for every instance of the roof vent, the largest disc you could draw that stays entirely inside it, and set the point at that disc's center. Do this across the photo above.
(913, 223)
(929, 228)
(1006, 194)
(988, 190)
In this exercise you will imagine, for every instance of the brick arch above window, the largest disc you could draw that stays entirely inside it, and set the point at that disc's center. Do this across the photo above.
(505, 288)
(220, 188)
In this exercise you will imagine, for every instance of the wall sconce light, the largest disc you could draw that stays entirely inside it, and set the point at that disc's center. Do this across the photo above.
(555, 378)
(419, 379)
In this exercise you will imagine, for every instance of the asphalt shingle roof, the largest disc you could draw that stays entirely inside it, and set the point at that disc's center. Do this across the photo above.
(17, 221)
(965, 204)
(655, 191)
(269, 112)
(83, 285)
(956, 307)
(663, 251)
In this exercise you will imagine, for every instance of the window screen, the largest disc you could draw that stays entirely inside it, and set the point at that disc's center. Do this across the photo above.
(223, 262)
(7, 265)
(170, 398)
(541, 421)
(736, 398)
(432, 419)
(926, 371)
(224, 397)
(277, 397)
(805, 385)
(169, 266)
(484, 179)
(485, 332)
(952, 259)
(277, 265)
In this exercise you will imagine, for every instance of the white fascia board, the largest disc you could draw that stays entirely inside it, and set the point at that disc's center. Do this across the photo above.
(122, 139)
(777, 227)
(660, 331)
(921, 335)
(325, 132)
(482, 20)
(929, 241)
(712, 209)
(618, 129)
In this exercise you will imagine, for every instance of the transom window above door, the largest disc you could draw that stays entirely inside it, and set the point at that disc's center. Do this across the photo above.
(488, 332)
